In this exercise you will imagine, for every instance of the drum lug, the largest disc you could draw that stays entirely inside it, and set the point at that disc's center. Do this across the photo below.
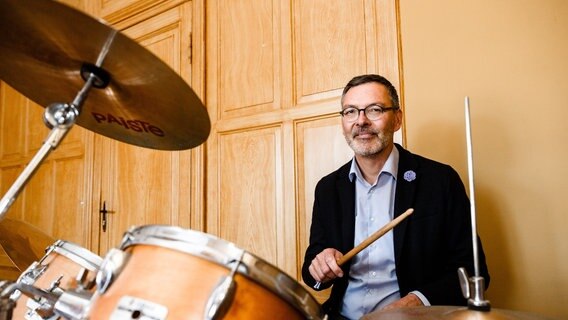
(111, 267)
(83, 281)
(223, 295)
(221, 299)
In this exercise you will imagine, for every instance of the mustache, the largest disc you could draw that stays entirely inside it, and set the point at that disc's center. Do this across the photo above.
(363, 130)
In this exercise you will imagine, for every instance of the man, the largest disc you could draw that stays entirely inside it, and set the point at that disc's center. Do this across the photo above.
(416, 263)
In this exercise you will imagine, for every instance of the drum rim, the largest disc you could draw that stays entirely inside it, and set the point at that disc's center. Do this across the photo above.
(76, 253)
(223, 253)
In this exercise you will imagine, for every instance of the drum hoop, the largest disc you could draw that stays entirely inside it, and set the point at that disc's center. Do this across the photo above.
(225, 253)
(77, 254)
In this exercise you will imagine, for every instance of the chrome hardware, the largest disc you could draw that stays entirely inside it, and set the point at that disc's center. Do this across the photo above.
(136, 308)
(73, 304)
(473, 289)
(223, 295)
(111, 267)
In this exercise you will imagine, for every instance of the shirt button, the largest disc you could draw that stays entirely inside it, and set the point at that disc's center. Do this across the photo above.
(373, 274)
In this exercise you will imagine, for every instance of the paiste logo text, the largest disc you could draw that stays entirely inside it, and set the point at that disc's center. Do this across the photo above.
(129, 124)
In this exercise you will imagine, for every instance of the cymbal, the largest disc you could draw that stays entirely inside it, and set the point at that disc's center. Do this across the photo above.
(450, 313)
(45, 45)
(23, 242)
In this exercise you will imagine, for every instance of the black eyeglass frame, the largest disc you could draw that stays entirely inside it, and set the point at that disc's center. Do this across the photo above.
(383, 110)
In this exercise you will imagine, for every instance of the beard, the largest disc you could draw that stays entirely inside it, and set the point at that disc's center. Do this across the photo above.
(375, 144)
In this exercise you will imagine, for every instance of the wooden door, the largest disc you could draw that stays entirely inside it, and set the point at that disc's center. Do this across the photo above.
(275, 72)
(142, 186)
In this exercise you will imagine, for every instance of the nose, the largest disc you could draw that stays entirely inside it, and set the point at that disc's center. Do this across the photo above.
(362, 117)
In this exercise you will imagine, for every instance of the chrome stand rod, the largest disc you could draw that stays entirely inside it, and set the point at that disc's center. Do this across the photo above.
(60, 117)
(471, 187)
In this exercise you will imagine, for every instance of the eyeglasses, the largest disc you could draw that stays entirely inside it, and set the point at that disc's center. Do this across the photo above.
(372, 112)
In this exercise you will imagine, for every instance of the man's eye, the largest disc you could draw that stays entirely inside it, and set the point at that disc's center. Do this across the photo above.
(349, 111)
(375, 109)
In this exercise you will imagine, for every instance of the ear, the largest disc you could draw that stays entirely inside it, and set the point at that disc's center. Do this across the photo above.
(397, 120)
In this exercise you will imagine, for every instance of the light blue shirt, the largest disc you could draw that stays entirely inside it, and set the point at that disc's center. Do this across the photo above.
(372, 278)
(373, 283)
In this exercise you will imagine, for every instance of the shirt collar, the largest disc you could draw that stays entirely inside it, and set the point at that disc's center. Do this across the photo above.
(390, 166)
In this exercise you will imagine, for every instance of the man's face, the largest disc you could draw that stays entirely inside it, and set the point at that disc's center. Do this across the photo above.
(370, 137)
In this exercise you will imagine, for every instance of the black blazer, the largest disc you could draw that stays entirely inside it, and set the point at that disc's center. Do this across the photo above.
(429, 245)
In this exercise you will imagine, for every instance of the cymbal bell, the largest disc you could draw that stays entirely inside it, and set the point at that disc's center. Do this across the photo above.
(449, 313)
(23, 242)
(45, 50)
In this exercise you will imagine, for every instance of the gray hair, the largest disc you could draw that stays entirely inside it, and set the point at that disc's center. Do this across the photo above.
(366, 78)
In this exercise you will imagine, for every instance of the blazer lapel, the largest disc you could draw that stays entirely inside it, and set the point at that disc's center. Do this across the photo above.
(406, 182)
(346, 193)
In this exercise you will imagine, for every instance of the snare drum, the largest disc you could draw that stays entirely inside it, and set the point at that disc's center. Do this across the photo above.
(55, 272)
(166, 272)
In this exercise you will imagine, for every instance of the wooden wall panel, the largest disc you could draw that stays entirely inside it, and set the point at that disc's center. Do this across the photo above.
(316, 157)
(246, 35)
(56, 202)
(9, 174)
(117, 12)
(71, 202)
(249, 195)
(330, 46)
(36, 130)
(142, 182)
(11, 123)
(40, 202)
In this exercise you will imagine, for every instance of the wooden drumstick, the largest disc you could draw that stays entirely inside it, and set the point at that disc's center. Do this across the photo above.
(372, 238)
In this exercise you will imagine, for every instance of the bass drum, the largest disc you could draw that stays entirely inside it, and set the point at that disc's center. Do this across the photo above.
(56, 272)
(166, 272)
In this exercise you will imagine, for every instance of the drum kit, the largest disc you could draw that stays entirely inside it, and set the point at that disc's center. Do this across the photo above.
(50, 53)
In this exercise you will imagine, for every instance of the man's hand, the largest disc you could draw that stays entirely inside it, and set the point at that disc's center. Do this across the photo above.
(410, 300)
(324, 266)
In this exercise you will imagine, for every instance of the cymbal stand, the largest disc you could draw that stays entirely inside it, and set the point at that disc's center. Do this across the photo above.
(59, 117)
(473, 288)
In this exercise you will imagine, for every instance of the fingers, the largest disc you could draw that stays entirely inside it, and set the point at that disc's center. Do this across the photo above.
(410, 300)
(324, 266)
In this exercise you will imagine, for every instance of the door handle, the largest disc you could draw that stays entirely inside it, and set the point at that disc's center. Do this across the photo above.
(103, 211)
